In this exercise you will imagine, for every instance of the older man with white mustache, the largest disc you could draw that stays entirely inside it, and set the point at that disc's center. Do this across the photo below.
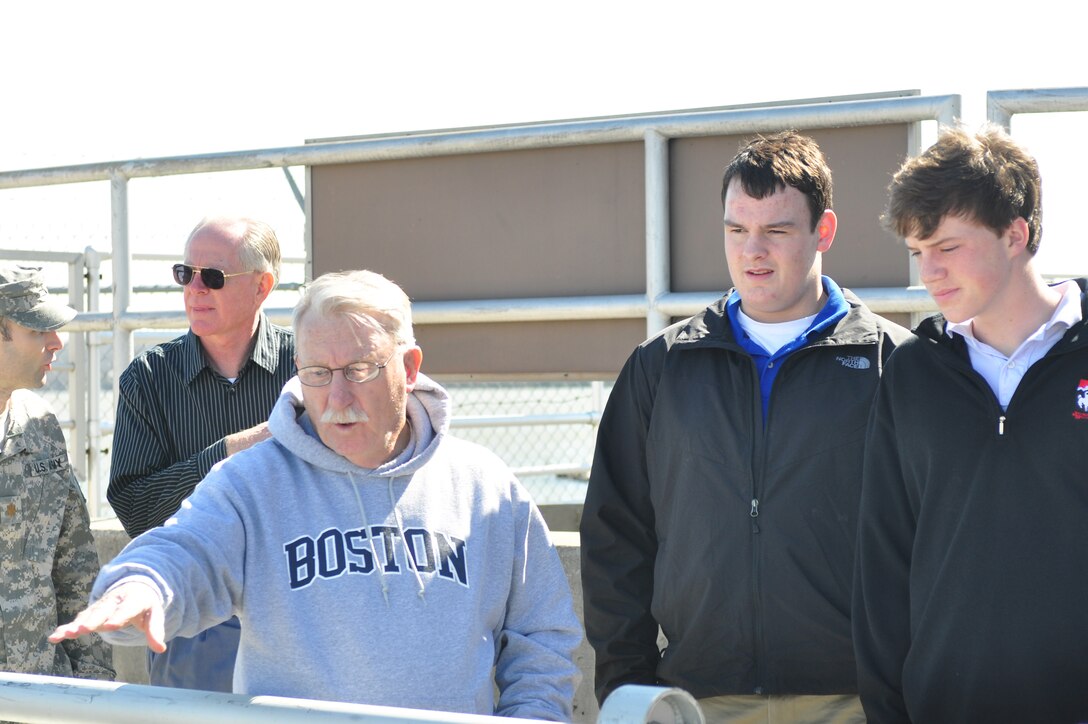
(344, 417)
(371, 556)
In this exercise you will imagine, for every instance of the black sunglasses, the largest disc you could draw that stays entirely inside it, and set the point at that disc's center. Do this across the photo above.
(212, 278)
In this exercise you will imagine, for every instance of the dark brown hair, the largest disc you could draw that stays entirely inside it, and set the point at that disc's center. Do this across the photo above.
(767, 164)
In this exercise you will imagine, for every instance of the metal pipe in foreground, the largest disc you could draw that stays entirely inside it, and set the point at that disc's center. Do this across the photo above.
(55, 700)
(646, 704)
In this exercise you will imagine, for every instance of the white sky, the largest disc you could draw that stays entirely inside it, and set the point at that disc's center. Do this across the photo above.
(87, 82)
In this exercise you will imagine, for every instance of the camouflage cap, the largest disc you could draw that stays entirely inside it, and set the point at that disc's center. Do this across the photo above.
(25, 300)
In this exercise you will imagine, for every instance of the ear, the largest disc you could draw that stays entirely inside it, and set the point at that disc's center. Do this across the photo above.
(264, 286)
(413, 358)
(1016, 236)
(826, 228)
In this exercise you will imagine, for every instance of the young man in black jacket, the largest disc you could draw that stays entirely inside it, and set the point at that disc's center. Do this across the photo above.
(723, 496)
(969, 601)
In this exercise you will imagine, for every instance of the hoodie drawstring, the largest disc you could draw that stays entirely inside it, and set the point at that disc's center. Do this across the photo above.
(374, 551)
(369, 537)
(400, 527)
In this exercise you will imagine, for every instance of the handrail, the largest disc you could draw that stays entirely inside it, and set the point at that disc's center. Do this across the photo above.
(1001, 105)
(56, 700)
(510, 138)
(656, 306)
(888, 300)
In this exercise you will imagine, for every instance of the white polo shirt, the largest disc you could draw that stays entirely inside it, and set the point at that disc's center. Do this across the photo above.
(1004, 373)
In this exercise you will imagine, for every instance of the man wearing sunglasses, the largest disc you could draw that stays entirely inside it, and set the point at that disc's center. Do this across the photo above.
(189, 403)
(374, 557)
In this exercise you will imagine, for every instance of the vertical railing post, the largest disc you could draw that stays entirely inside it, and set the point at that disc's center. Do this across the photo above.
(79, 379)
(997, 113)
(121, 257)
(658, 266)
(93, 265)
(949, 112)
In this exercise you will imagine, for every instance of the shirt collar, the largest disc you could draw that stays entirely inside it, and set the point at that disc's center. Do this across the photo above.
(834, 309)
(266, 351)
(1065, 315)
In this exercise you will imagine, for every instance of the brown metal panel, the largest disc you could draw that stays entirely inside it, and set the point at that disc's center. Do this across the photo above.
(552, 222)
(862, 162)
(592, 349)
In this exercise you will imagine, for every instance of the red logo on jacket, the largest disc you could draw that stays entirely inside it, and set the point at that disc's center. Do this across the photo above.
(1082, 401)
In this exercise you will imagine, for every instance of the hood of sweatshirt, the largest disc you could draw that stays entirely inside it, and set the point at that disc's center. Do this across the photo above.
(427, 408)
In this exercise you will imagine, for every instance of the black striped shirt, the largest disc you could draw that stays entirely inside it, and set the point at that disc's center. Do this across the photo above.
(173, 413)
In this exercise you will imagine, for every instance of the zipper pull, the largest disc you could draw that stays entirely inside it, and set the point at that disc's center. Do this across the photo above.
(754, 512)
(1001, 425)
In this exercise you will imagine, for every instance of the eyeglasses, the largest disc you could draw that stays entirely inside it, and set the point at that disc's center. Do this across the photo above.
(357, 372)
(212, 278)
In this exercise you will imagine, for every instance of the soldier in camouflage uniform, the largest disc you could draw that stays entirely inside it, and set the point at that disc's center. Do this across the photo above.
(47, 553)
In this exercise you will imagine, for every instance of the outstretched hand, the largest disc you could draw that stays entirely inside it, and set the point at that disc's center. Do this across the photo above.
(129, 604)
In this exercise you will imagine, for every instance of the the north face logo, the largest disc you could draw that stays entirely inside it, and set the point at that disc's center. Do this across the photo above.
(853, 362)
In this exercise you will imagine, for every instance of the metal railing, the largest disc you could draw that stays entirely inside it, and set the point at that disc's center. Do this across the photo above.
(653, 130)
(55, 700)
(1002, 105)
(656, 306)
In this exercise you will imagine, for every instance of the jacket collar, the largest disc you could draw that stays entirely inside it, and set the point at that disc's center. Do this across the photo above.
(11, 441)
(712, 328)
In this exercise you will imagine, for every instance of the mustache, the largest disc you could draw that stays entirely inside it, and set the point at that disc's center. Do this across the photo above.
(344, 417)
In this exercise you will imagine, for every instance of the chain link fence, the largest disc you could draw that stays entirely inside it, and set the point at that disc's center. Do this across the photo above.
(551, 458)
(544, 430)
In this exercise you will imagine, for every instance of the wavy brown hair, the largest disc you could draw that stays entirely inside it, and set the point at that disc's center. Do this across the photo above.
(985, 176)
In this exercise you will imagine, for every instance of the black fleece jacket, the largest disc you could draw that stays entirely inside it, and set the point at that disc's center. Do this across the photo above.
(971, 588)
(735, 535)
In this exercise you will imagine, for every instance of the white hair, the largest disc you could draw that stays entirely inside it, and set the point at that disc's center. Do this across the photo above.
(365, 296)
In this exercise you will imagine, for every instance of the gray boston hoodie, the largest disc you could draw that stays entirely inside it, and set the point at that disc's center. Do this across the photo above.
(399, 586)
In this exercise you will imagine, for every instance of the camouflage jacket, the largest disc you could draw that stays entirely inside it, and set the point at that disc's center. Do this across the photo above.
(47, 554)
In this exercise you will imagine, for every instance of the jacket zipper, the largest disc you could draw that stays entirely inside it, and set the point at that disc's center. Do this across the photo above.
(753, 513)
(758, 471)
(757, 602)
